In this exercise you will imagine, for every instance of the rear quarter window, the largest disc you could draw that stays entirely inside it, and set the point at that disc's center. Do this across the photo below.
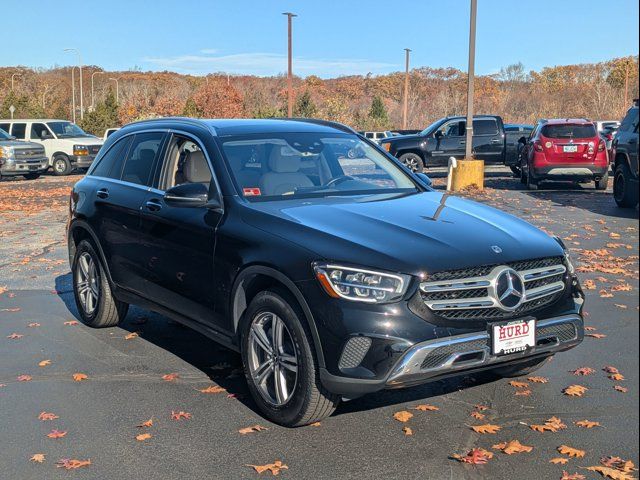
(569, 131)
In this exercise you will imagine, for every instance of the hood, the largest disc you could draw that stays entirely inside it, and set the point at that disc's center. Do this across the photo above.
(401, 137)
(18, 144)
(416, 234)
(84, 140)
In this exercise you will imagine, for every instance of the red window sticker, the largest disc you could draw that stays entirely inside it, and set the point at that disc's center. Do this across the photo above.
(251, 192)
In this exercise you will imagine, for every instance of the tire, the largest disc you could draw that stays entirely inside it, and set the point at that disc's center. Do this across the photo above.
(523, 177)
(32, 176)
(516, 171)
(623, 192)
(104, 310)
(61, 165)
(603, 183)
(412, 161)
(521, 369)
(532, 183)
(306, 400)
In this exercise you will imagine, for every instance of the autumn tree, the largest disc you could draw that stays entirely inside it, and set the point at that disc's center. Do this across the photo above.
(217, 99)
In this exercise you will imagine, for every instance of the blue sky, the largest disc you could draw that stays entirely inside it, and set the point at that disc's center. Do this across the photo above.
(331, 37)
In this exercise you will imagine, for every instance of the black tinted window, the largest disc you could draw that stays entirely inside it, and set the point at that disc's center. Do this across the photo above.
(110, 166)
(5, 126)
(569, 131)
(37, 130)
(141, 158)
(628, 124)
(19, 130)
(485, 127)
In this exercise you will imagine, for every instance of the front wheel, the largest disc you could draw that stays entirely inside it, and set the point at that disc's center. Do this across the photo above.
(61, 165)
(521, 369)
(412, 161)
(279, 362)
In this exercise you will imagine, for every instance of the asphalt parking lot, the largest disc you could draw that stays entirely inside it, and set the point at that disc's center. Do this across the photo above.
(124, 367)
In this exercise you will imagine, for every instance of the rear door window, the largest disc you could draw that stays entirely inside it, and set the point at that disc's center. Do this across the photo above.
(565, 131)
(485, 127)
(141, 160)
(18, 130)
(110, 165)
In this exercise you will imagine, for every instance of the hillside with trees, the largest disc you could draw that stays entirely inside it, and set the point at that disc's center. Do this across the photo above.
(595, 91)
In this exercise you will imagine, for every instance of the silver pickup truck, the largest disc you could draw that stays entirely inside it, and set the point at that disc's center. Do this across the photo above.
(21, 158)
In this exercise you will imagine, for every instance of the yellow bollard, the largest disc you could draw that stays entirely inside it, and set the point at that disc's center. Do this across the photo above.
(466, 174)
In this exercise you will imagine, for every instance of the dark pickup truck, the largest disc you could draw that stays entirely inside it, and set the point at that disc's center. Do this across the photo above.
(445, 138)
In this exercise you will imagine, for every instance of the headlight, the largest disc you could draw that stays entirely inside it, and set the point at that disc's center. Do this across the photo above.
(567, 256)
(6, 152)
(80, 150)
(386, 146)
(361, 285)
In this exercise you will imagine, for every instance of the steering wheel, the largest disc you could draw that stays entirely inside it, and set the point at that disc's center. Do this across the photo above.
(337, 180)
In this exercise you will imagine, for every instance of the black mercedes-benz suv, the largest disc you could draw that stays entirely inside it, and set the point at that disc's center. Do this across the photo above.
(328, 265)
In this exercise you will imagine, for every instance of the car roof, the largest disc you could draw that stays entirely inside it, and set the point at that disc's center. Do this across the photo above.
(563, 121)
(245, 126)
(43, 120)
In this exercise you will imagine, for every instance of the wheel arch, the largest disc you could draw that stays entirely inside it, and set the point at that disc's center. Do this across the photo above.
(80, 230)
(257, 278)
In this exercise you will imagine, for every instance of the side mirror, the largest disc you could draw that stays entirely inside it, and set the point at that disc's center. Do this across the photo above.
(187, 195)
(46, 136)
(522, 140)
(424, 178)
(438, 134)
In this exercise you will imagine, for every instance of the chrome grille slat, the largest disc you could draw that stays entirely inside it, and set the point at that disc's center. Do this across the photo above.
(455, 297)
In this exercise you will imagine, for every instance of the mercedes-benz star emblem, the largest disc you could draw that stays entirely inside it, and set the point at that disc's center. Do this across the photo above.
(496, 249)
(510, 291)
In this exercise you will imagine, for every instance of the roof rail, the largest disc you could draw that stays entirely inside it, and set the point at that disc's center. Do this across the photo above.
(326, 123)
(192, 121)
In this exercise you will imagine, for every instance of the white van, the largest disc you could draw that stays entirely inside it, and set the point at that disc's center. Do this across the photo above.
(66, 145)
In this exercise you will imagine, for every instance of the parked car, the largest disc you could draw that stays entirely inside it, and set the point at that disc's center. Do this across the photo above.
(602, 125)
(21, 158)
(567, 149)
(377, 136)
(446, 138)
(66, 145)
(333, 277)
(515, 133)
(625, 153)
(608, 134)
(108, 132)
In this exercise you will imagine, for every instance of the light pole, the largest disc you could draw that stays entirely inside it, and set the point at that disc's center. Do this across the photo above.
(470, 80)
(290, 65)
(44, 96)
(93, 98)
(117, 90)
(80, 68)
(73, 93)
(12, 77)
(405, 106)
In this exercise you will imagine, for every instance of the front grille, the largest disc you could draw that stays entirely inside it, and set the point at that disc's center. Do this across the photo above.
(469, 294)
(354, 351)
(564, 332)
(94, 149)
(26, 154)
(441, 354)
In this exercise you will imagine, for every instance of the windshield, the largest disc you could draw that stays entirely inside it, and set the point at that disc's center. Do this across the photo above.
(4, 135)
(67, 130)
(433, 127)
(569, 131)
(293, 165)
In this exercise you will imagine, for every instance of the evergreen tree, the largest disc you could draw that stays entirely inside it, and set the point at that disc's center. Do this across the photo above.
(304, 106)
(191, 109)
(378, 113)
(105, 115)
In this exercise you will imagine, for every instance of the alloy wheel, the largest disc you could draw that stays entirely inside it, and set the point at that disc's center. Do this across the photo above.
(412, 164)
(87, 283)
(60, 166)
(273, 363)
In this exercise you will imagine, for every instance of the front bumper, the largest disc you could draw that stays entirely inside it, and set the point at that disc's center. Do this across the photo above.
(82, 161)
(13, 167)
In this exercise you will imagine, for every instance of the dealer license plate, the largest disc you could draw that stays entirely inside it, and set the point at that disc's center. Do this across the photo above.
(512, 337)
(570, 148)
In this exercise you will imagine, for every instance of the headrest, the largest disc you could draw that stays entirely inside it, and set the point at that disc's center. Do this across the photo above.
(195, 168)
(284, 159)
(147, 154)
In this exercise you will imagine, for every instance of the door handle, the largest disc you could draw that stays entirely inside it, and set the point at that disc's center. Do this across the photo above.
(102, 193)
(496, 140)
(153, 205)
(463, 142)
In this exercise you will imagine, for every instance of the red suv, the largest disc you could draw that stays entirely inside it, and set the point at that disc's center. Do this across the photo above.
(565, 150)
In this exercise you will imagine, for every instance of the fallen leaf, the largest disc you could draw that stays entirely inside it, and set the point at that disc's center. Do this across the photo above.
(589, 285)
(618, 377)
(610, 369)
(407, 431)
(583, 371)
(70, 322)
(538, 379)
(56, 434)
(588, 424)
(523, 393)
(571, 452)
(252, 429)
(618, 463)
(33, 325)
(24, 378)
(572, 476)
(552, 425)
(478, 415)
(559, 461)
(481, 408)
(596, 335)
(78, 377)
(517, 384)
(131, 335)
(484, 429)
(14, 336)
(44, 416)
(315, 424)
(621, 389)
(44, 363)
(72, 464)
(575, 390)
(180, 415)
(37, 457)
(476, 456)
(611, 473)
(274, 467)
(402, 416)
(426, 408)
(213, 389)
(514, 446)
(143, 436)
(147, 424)
(170, 377)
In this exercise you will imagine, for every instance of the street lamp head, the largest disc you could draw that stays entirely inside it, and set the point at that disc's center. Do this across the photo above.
(289, 14)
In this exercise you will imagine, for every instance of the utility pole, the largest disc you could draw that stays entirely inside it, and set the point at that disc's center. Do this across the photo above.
(93, 97)
(117, 90)
(290, 65)
(470, 80)
(405, 106)
(73, 94)
(12, 78)
(44, 97)
(626, 85)
(80, 69)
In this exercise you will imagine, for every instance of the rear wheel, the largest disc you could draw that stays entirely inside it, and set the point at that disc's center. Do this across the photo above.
(516, 171)
(412, 161)
(532, 183)
(279, 362)
(96, 304)
(521, 369)
(61, 165)
(624, 193)
(603, 183)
